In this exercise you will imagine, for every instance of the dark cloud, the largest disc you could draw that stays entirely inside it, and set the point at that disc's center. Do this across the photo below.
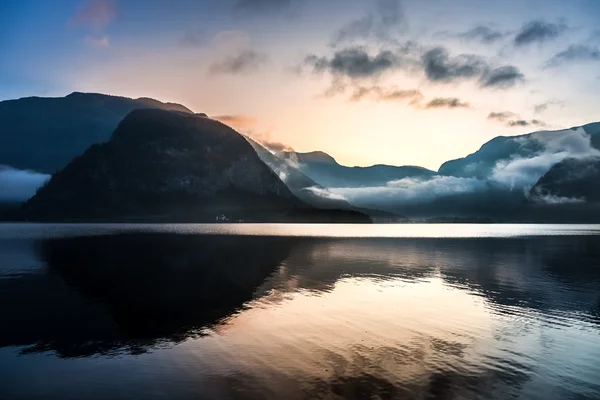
(513, 120)
(538, 31)
(575, 53)
(502, 77)
(440, 67)
(354, 63)
(501, 116)
(378, 93)
(447, 102)
(387, 15)
(522, 122)
(482, 34)
(244, 62)
(244, 7)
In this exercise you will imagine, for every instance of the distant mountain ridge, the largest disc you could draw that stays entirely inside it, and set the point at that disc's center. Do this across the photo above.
(44, 134)
(506, 179)
(307, 189)
(481, 163)
(325, 170)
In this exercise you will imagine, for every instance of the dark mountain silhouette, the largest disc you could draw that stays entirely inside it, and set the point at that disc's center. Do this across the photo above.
(570, 181)
(171, 166)
(325, 170)
(45, 134)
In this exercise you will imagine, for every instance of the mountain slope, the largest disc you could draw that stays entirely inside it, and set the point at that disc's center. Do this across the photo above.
(496, 154)
(167, 166)
(325, 170)
(310, 191)
(570, 181)
(45, 134)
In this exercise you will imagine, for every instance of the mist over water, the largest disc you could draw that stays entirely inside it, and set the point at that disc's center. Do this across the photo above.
(299, 311)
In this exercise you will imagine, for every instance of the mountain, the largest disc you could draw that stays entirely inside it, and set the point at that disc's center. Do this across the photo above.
(571, 181)
(502, 150)
(325, 170)
(45, 134)
(310, 191)
(171, 166)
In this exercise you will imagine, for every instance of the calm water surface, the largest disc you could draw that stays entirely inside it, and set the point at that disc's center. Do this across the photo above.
(299, 311)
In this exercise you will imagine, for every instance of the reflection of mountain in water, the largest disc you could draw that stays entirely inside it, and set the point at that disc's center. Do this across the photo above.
(523, 272)
(133, 291)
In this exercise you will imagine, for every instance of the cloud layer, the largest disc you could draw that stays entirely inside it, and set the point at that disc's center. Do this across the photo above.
(19, 185)
(524, 172)
(436, 64)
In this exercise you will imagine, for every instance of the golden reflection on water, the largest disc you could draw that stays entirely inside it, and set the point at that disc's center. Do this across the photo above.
(344, 318)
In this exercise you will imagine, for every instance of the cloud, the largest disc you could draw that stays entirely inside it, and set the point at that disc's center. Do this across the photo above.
(513, 120)
(447, 102)
(19, 185)
(540, 108)
(502, 78)
(324, 193)
(378, 93)
(260, 7)
(414, 97)
(410, 191)
(574, 53)
(538, 31)
(553, 199)
(247, 125)
(97, 41)
(522, 122)
(379, 23)
(501, 116)
(244, 62)
(440, 67)
(554, 147)
(97, 14)
(237, 121)
(482, 34)
(354, 63)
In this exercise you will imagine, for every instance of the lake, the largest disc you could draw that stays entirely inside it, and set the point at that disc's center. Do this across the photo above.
(299, 311)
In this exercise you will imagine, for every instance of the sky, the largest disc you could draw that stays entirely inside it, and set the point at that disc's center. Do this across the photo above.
(399, 82)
